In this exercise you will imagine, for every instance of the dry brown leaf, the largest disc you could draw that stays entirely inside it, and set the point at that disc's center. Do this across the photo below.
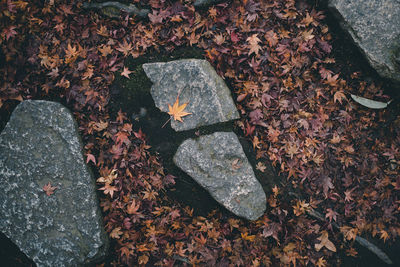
(325, 242)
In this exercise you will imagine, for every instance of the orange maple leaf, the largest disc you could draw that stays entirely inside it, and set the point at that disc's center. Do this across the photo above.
(49, 189)
(178, 111)
(71, 54)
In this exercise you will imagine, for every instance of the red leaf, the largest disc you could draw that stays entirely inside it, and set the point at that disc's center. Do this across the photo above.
(90, 157)
(49, 189)
(234, 37)
(9, 32)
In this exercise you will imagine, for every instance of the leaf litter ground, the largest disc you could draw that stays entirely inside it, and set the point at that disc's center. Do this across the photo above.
(292, 91)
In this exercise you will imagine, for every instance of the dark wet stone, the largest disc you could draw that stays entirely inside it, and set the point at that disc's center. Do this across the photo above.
(40, 144)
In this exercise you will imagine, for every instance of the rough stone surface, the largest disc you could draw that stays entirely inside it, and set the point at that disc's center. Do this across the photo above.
(197, 84)
(375, 27)
(40, 144)
(217, 162)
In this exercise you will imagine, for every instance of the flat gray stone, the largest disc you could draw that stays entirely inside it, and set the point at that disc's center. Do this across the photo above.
(40, 144)
(197, 84)
(217, 162)
(374, 26)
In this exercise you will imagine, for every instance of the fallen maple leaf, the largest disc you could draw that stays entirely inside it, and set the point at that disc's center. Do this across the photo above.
(9, 32)
(178, 111)
(339, 96)
(325, 242)
(133, 208)
(126, 72)
(125, 48)
(90, 157)
(253, 44)
(116, 233)
(49, 189)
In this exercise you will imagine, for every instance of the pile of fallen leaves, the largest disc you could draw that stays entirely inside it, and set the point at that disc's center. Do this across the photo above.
(295, 109)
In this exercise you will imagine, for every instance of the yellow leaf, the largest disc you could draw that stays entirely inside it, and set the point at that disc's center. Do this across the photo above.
(178, 111)
(247, 237)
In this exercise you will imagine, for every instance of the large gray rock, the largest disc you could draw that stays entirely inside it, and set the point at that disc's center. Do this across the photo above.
(40, 144)
(217, 162)
(197, 84)
(375, 27)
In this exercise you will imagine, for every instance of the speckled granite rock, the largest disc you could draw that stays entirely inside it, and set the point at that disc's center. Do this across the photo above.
(375, 28)
(217, 162)
(207, 95)
(40, 144)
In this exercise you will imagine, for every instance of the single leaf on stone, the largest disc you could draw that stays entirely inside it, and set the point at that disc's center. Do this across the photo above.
(49, 189)
(178, 111)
